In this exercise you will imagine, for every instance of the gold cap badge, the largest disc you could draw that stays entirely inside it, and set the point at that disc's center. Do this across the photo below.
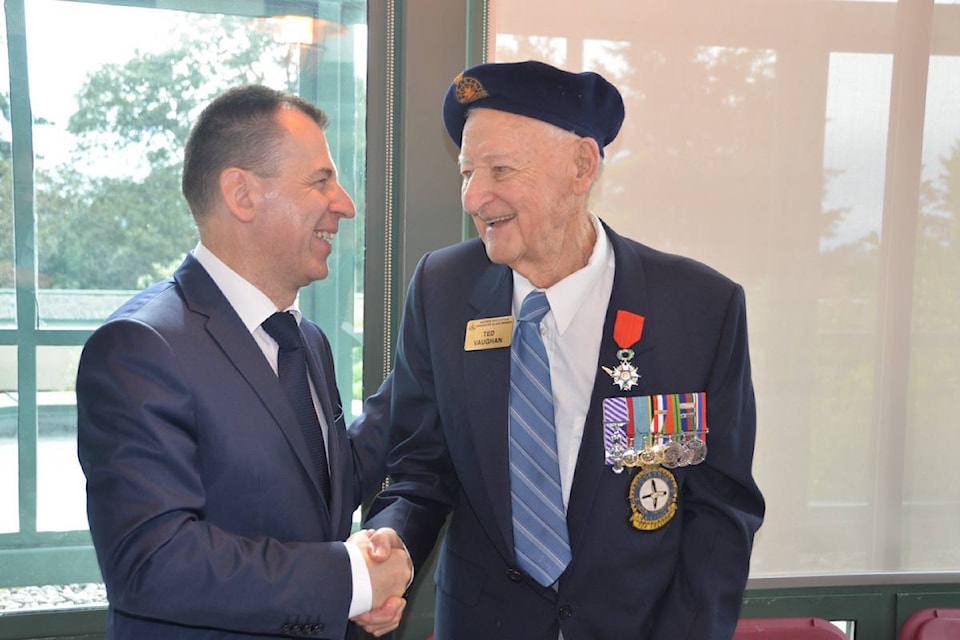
(469, 89)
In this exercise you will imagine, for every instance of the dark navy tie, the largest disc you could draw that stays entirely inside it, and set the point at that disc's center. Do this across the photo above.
(292, 369)
(540, 537)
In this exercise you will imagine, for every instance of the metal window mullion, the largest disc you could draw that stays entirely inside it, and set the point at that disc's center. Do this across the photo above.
(25, 259)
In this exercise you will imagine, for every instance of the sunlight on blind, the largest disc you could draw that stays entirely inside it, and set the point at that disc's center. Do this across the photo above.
(758, 140)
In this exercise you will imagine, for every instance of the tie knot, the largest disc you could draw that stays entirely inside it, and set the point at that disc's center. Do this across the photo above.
(534, 307)
(282, 327)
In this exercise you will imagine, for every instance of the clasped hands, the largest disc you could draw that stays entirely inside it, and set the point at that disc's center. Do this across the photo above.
(390, 573)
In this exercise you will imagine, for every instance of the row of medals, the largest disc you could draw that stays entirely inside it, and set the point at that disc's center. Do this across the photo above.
(671, 451)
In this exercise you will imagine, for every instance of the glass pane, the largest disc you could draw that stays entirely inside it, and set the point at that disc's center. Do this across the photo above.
(112, 117)
(9, 461)
(931, 501)
(61, 495)
(756, 141)
(840, 444)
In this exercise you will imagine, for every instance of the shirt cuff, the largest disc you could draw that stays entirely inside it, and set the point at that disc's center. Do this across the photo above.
(362, 600)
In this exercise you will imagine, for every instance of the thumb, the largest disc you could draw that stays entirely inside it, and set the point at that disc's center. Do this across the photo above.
(379, 546)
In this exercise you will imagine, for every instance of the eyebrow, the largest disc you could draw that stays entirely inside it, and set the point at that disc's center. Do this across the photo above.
(489, 156)
(320, 174)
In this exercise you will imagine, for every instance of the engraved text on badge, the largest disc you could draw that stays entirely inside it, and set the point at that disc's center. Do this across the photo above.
(488, 333)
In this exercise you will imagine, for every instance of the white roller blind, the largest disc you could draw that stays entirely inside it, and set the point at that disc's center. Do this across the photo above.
(809, 149)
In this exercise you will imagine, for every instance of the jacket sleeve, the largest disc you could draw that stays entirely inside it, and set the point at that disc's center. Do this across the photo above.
(722, 506)
(423, 487)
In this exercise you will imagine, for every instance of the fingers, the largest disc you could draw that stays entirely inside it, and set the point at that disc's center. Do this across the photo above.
(383, 619)
(361, 538)
(382, 541)
(389, 577)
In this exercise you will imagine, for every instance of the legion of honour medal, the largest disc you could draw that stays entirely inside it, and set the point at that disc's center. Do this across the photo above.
(626, 332)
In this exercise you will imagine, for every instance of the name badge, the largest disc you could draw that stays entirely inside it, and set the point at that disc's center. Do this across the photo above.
(488, 333)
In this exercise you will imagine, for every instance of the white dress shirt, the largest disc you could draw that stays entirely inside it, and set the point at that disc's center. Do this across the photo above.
(572, 331)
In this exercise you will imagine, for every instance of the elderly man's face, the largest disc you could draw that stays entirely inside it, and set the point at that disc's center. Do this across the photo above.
(518, 184)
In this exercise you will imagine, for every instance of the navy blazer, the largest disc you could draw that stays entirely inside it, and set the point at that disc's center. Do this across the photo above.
(449, 414)
(203, 503)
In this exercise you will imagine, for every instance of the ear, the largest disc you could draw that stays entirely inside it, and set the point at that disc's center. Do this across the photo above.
(238, 189)
(587, 159)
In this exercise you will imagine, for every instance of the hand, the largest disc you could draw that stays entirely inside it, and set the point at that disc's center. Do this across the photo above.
(388, 563)
(384, 619)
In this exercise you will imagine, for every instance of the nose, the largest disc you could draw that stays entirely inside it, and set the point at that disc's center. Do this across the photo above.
(342, 204)
(474, 192)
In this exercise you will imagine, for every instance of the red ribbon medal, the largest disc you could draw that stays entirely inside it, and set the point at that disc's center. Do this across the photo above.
(626, 332)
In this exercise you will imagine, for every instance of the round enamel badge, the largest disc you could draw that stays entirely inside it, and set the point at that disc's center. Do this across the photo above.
(653, 498)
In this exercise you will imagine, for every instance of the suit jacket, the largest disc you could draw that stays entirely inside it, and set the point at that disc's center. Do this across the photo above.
(449, 412)
(203, 503)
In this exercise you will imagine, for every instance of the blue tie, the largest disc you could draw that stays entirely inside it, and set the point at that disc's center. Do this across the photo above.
(292, 369)
(540, 537)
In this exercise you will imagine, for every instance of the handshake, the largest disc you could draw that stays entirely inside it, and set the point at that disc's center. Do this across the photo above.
(391, 572)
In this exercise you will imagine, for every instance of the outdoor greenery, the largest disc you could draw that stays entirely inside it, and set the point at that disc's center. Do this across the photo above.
(131, 228)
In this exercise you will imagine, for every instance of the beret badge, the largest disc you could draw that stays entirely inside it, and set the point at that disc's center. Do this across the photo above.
(468, 89)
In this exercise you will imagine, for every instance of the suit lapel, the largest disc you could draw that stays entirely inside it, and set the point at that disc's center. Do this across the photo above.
(628, 294)
(226, 329)
(487, 381)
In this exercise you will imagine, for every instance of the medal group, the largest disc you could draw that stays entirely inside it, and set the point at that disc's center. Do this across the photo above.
(655, 433)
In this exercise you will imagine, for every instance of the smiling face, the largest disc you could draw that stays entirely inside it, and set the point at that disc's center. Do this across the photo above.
(299, 209)
(525, 183)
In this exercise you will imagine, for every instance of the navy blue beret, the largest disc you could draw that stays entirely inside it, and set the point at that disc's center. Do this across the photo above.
(584, 103)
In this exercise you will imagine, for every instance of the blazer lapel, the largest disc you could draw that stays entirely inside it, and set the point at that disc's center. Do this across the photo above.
(226, 329)
(487, 380)
(628, 294)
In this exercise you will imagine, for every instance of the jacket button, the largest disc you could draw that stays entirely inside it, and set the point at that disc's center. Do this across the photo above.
(566, 612)
(514, 575)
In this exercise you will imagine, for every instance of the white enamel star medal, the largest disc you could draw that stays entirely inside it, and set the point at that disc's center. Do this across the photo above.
(624, 375)
(626, 332)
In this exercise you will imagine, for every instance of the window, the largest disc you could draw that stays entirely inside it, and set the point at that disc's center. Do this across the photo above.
(91, 211)
(780, 143)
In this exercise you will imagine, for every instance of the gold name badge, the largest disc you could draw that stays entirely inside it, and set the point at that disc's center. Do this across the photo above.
(488, 333)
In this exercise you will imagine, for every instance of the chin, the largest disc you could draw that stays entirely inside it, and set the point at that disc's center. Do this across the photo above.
(497, 254)
(319, 273)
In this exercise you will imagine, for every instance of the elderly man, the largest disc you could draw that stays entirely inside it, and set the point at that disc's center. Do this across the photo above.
(551, 388)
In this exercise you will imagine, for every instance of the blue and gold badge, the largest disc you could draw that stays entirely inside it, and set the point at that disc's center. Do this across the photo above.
(653, 498)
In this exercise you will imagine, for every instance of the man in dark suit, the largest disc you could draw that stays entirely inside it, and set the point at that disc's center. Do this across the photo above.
(215, 510)
(655, 529)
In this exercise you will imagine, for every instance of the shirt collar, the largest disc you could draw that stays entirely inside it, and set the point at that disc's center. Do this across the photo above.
(567, 296)
(252, 305)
